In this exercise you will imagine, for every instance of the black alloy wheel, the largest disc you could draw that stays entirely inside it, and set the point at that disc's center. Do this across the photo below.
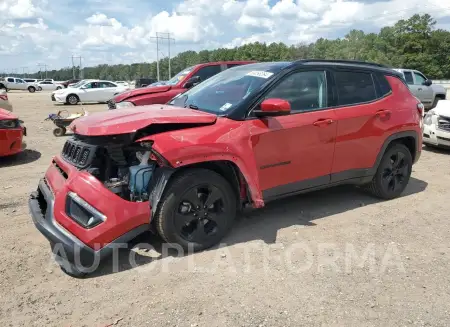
(393, 173)
(197, 210)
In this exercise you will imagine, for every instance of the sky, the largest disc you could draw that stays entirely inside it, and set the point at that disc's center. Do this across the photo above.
(49, 32)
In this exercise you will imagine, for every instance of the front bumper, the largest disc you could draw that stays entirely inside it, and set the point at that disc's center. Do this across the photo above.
(435, 136)
(58, 98)
(74, 243)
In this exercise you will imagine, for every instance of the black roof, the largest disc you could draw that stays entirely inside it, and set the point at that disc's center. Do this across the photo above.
(349, 63)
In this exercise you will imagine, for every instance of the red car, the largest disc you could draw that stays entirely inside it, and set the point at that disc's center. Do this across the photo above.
(11, 133)
(247, 136)
(181, 82)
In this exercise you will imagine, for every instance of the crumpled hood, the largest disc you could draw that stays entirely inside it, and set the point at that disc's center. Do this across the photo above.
(5, 114)
(140, 91)
(442, 108)
(129, 120)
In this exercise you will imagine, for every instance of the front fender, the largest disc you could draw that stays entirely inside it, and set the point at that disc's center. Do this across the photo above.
(224, 141)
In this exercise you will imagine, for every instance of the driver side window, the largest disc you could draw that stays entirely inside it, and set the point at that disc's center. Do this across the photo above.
(305, 91)
(419, 78)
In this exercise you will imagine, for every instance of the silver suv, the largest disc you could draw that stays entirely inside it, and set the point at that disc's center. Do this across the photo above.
(423, 88)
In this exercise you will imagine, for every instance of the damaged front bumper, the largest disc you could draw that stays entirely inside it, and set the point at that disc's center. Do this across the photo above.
(68, 238)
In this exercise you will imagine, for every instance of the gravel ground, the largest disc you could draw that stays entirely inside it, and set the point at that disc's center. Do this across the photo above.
(332, 258)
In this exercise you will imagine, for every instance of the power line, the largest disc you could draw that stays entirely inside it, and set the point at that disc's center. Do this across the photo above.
(157, 38)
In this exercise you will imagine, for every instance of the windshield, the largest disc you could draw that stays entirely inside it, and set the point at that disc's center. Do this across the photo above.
(226, 90)
(179, 77)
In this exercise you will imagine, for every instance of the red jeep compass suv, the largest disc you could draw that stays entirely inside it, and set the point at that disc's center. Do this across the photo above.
(181, 82)
(248, 135)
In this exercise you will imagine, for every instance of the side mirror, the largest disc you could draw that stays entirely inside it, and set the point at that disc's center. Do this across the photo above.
(427, 82)
(194, 80)
(273, 107)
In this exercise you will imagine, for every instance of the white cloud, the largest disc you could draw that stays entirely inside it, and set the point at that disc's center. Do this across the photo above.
(114, 31)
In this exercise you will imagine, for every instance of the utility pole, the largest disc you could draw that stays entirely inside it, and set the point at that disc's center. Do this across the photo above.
(80, 73)
(169, 39)
(40, 69)
(23, 71)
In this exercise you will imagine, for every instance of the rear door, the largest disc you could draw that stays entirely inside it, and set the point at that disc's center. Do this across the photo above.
(108, 90)
(295, 152)
(364, 114)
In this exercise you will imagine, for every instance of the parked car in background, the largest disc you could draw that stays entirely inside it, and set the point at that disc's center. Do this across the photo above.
(70, 81)
(143, 82)
(244, 137)
(4, 102)
(14, 83)
(436, 125)
(89, 91)
(181, 82)
(49, 86)
(11, 133)
(31, 80)
(122, 83)
(423, 88)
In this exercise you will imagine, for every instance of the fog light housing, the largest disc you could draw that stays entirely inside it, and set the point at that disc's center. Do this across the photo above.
(82, 212)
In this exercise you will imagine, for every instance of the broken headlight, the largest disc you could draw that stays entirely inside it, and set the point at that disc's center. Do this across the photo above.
(82, 212)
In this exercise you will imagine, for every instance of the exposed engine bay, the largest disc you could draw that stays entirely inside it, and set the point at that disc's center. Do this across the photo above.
(123, 167)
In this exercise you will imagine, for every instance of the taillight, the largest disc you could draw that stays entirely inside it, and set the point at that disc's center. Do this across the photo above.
(4, 97)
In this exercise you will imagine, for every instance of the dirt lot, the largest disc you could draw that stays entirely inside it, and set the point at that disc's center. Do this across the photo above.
(332, 258)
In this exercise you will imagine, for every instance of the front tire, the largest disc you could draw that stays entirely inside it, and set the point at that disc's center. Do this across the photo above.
(197, 210)
(393, 173)
(31, 89)
(72, 99)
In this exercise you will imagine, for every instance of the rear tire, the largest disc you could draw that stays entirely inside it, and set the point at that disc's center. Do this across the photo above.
(31, 89)
(59, 131)
(393, 173)
(197, 210)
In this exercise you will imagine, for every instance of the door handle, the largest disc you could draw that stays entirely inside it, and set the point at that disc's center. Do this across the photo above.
(323, 122)
(383, 113)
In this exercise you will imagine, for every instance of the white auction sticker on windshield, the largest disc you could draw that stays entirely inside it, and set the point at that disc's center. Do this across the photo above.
(226, 106)
(260, 73)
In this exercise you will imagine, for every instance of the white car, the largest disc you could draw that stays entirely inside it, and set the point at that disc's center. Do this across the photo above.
(122, 83)
(436, 125)
(90, 91)
(48, 86)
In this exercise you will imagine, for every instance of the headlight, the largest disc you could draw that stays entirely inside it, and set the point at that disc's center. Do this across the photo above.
(9, 123)
(82, 212)
(124, 104)
(427, 119)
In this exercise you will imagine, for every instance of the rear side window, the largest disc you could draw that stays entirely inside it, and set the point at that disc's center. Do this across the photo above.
(208, 71)
(11, 80)
(409, 78)
(354, 87)
(383, 86)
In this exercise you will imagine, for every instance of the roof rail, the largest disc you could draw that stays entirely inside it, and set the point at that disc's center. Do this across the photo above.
(341, 61)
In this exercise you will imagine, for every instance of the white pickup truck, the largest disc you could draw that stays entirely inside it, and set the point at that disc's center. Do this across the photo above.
(14, 83)
(423, 88)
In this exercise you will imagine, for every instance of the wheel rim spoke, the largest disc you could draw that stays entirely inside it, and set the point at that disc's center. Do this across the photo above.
(192, 197)
(398, 161)
(183, 220)
(198, 235)
(213, 196)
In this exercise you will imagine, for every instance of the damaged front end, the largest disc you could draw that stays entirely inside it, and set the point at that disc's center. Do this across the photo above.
(124, 167)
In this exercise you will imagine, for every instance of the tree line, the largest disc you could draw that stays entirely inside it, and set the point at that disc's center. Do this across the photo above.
(414, 43)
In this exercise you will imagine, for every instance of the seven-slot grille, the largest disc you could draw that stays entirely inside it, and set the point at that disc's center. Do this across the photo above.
(444, 123)
(77, 153)
(111, 104)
